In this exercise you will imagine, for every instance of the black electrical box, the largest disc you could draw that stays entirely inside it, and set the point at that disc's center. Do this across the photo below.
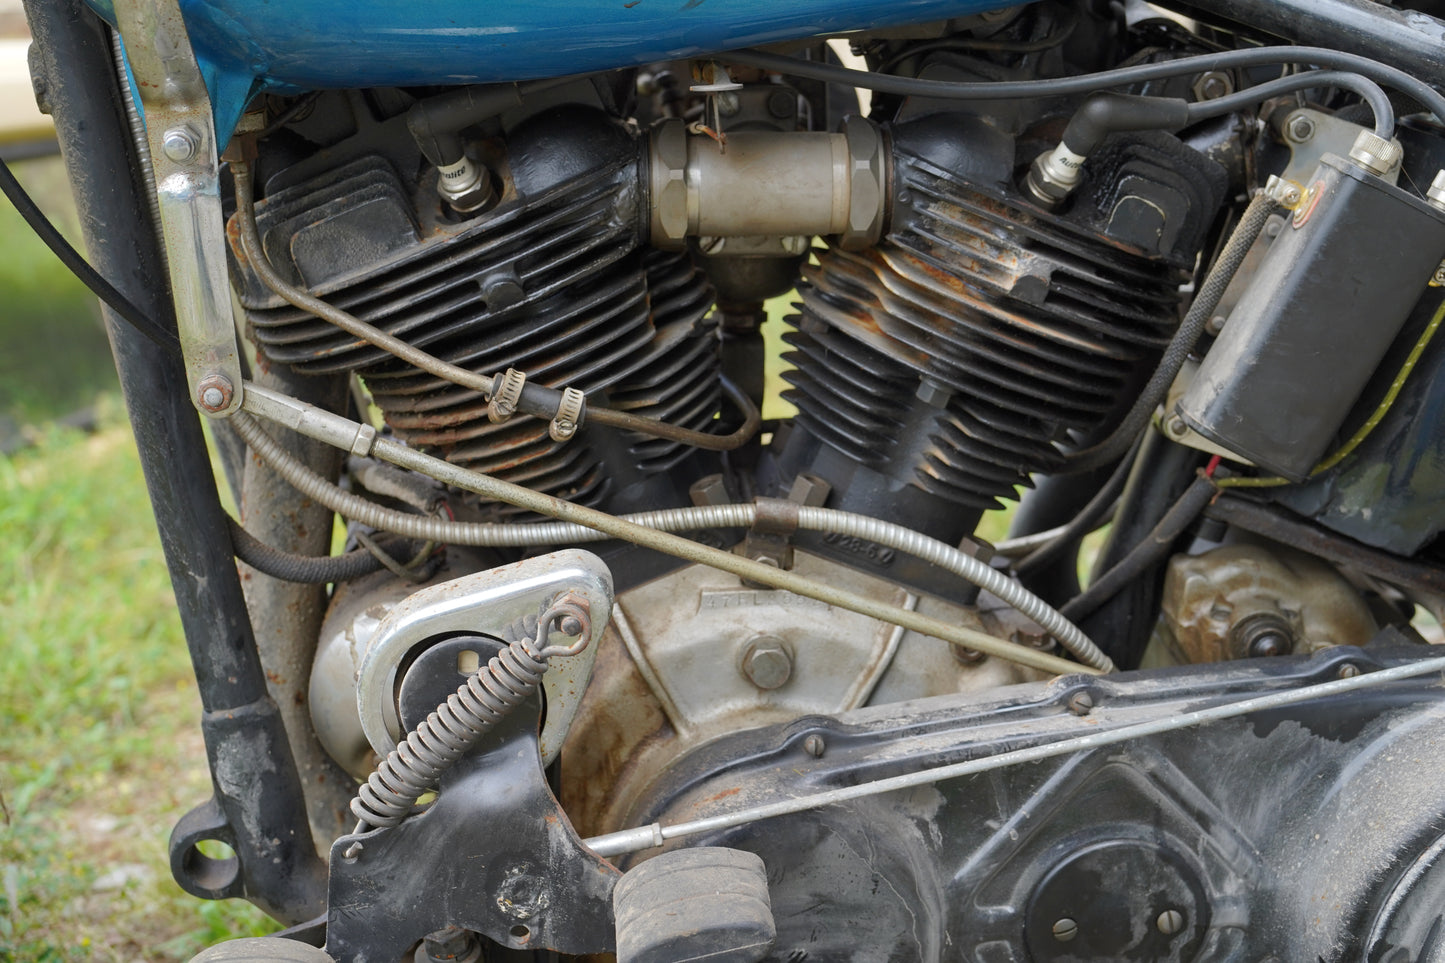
(1316, 319)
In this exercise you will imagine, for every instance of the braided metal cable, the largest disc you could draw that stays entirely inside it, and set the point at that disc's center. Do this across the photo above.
(444, 736)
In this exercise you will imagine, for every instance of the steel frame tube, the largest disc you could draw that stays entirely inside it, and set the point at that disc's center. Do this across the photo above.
(258, 808)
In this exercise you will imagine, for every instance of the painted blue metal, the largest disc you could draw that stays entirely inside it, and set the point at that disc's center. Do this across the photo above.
(246, 46)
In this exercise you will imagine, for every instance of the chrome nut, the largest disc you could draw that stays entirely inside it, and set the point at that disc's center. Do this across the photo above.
(668, 159)
(867, 192)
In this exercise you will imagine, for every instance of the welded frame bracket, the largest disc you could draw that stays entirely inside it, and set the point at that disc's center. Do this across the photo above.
(183, 150)
(494, 853)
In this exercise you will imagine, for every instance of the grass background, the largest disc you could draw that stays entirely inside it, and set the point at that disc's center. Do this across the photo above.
(100, 750)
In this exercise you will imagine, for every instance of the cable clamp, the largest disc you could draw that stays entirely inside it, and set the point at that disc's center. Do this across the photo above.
(506, 392)
(569, 415)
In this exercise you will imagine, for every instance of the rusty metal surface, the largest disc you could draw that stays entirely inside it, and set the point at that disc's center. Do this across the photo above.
(669, 677)
(1211, 599)
(1284, 526)
(286, 617)
(552, 282)
(1010, 325)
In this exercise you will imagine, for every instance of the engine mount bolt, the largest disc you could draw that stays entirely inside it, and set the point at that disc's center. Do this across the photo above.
(1212, 85)
(214, 393)
(1065, 930)
(1349, 670)
(1170, 921)
(814, 745)
(1081, 703)
(1300, 128)
(767, 663)
(451, 945)
(1262, 635)
(181, 144)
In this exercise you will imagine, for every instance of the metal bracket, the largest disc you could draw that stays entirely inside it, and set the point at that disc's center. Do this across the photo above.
(182, 139)
(486, 603)
(494, 853)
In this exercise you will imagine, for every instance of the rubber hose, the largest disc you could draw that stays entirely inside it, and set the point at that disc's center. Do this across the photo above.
(1147, 553)
(307, 569)
(1324, 57)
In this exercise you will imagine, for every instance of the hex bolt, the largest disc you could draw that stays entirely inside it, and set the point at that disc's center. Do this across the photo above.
(1081, 703)
(181, 144)
(1262, 635)
(571, 625)
(1299, 128)
(1170, 921)
(814, 745)
(214, 393)
(782, 104)
(767, 663)
(1175, 427)
(1349, 670)
(1212, 85)
(967, 656)
(1065, 930)
(451, 945)
(1215, 324)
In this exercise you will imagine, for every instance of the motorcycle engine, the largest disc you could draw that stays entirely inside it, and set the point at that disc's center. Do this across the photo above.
(948, 345)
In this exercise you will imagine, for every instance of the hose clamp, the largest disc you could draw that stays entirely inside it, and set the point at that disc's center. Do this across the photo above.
(506, 392)
(569, 415)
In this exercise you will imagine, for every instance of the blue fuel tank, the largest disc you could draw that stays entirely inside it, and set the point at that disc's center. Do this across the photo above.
(249, 46)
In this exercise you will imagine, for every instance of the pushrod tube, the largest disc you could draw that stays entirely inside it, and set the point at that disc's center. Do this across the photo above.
(257, 808)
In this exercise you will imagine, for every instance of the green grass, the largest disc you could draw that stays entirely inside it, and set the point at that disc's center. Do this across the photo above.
(100, 750)
(53, 354)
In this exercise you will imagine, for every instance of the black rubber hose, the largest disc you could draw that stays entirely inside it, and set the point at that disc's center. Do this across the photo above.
(1323, 57)
(1183, 342)
(1147, 553)
(308, 569)
(80, 267)
(1088, 518)
(1103, 114)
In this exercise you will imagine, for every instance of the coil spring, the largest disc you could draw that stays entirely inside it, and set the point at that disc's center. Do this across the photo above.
(444, 736)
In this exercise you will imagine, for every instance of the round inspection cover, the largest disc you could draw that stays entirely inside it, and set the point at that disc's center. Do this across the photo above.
(1117, 900)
